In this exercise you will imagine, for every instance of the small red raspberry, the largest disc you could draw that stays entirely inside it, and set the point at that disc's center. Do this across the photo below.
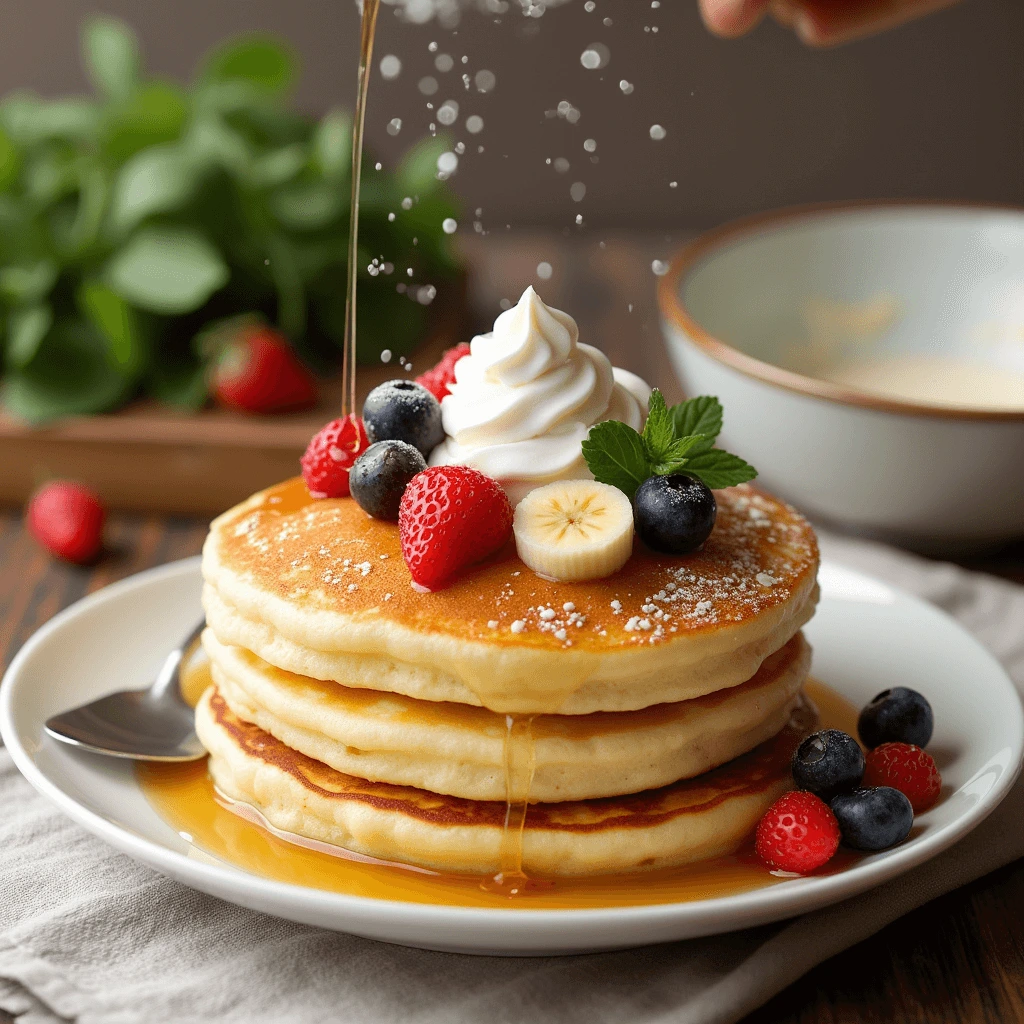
(67, 519)
(436, 381)
(907, 768)
(798, 833)
(451, 517)
(329, 457)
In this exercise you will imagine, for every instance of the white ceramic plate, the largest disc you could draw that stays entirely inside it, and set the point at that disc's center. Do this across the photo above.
(866, 637)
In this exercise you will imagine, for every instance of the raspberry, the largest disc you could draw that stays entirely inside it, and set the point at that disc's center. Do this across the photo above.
(798, 833)
(67, 519)
(330, 455)
(436, 381)
(451, 517)
(256, 371)
(907, 768)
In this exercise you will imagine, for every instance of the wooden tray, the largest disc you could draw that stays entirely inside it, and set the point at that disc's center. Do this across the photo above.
(149, 458)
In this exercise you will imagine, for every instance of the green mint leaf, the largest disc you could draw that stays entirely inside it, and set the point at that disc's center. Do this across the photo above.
(683, 447)
(658, 432)
(616, 455)
(719, 469)
(700, 415)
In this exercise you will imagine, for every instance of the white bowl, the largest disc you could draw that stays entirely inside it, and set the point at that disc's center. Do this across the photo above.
(753, 310)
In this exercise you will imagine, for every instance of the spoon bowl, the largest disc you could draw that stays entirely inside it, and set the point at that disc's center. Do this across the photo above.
(155, 724)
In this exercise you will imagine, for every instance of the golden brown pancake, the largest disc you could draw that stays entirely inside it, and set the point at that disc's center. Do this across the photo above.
(691, 820)
(320, 589)
(459, 749)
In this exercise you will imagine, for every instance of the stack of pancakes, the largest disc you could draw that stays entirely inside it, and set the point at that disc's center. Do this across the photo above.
(651, 714)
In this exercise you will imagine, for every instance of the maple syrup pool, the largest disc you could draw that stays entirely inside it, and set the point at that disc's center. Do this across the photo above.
(184, 796)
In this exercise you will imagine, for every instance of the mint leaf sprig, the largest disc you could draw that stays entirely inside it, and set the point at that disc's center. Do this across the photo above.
(680, 439)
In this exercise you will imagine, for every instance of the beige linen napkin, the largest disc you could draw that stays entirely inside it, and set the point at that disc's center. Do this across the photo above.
(88, 935)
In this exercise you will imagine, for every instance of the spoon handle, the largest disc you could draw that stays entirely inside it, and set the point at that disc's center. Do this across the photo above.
(168, 678)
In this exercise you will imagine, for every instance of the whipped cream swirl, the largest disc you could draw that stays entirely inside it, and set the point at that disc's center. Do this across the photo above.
(526, 396)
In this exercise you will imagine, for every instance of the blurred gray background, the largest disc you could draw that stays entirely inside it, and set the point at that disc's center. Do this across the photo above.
(935, 109)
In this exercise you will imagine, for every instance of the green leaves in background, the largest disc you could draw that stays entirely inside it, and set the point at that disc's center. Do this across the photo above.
(167, 270)
(129, 220)
(260, 60)
(112, 58)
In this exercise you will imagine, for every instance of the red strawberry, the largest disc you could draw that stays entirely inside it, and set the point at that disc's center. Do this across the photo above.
(798, 833)
(330, 454)
(907, 768)
(450, 517)
(67, 519)
(257, 371)
(436, 381)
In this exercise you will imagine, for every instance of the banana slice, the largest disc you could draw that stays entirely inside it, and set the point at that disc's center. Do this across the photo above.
(574, 530)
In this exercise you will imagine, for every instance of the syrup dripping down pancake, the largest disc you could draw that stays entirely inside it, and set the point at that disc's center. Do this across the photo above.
(319, 589)
(688, 821)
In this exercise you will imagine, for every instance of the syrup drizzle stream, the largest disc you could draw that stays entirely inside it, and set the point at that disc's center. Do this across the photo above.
(348, 364)
(520, 764)
(519, 751)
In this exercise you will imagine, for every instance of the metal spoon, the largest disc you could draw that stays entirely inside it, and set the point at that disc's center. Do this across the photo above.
(144, 725)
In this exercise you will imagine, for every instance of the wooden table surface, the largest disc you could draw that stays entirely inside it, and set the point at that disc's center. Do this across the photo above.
(960, 958)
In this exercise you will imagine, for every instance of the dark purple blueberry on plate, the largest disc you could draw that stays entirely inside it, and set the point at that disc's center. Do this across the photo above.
(873, 819)
(379, 476)
(674, 514)
(899, 715)
(828, 762)
(402, 410)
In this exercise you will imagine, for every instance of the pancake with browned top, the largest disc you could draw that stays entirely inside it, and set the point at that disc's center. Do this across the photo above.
(319, 589)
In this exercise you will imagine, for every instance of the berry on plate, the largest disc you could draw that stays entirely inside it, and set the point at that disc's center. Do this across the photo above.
(256, 371)
(330, 456)
(873, 819)
(907, 768)
(451, 517)
(379, 477)
(67, 519)
(798, 833)
(674, 514)
(828, 762)
(402, 410)
(574, 530)
(436, 380)
(899, 715)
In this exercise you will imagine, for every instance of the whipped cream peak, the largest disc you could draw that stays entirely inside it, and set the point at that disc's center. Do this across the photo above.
(526, 396)
(527, 341)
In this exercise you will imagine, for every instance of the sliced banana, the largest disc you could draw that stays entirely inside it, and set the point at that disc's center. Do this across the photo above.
(574, 530)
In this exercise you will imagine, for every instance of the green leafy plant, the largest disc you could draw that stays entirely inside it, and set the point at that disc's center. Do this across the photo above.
(132, 219)
(680, 439)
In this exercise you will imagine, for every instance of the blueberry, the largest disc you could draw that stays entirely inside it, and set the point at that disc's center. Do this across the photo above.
(899, 715)
(402, 410)
(828, 762)
(378, 477)
(674, 514)
(873, 819)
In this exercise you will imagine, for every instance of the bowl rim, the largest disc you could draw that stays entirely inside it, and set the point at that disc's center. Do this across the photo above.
(694, 252)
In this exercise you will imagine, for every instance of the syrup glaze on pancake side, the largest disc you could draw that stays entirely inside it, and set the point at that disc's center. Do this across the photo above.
(184, 796)
(461, 750)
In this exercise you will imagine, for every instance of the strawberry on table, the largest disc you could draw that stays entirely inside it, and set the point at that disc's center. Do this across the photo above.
(67, 519)
(256, 371)
(449, 518)
(909, 769)
(330, 456)
(436, 380)
(798, 833)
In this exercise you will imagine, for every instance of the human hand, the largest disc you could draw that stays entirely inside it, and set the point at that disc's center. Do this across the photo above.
(816, 22)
